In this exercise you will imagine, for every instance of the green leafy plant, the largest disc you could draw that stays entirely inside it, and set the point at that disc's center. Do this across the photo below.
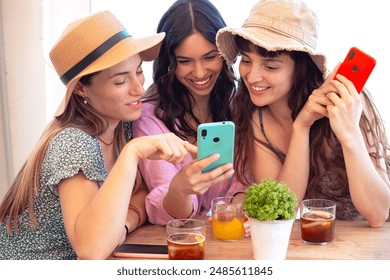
(270, 200)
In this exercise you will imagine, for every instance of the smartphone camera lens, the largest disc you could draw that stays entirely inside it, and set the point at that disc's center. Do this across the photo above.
(351, 54)
(204, 132)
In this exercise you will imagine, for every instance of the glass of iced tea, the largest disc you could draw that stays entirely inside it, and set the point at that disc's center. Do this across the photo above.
(228, 219)
(186, 239)
(317, 221)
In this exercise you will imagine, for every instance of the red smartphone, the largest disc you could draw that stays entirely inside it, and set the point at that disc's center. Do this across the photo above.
(357, 67)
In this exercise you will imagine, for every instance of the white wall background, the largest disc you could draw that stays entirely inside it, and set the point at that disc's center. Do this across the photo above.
(30, 90)
(22, 87)
(27, 98)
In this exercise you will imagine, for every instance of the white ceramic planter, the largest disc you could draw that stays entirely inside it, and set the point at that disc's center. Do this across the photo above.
(270, 238)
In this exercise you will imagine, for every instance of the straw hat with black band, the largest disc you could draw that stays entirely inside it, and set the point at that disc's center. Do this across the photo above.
(276, 25)
(94, 43)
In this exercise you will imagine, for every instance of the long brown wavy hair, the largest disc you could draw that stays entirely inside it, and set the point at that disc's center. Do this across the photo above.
(174, 101)
(25, 187)
(307, 77)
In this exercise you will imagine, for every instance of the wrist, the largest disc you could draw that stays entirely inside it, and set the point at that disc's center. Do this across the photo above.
(131, 152)
(298, 127)
(138, 215)
(355, 143)
(239, 196)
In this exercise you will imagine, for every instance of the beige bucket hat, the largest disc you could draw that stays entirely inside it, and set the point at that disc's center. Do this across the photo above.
(276, 25)
(94, 43)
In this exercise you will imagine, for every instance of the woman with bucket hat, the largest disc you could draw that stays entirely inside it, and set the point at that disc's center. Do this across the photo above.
(192, 85)
(79, 192)
(296, 124)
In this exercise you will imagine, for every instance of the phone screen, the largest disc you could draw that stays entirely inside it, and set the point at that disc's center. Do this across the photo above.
(216, 137)
(142, 251)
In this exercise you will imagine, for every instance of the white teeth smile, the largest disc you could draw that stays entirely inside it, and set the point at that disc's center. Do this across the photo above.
(259, 88)
(201, 82)
(134, 103)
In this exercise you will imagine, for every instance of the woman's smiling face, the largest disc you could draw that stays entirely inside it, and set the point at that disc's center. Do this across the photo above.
(198, 64)
(268, 79)
(116, 91)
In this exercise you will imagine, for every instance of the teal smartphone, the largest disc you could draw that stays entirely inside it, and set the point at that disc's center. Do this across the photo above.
(216, 137)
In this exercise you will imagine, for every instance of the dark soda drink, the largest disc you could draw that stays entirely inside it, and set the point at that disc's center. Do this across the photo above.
(317, 227)
(186, 246)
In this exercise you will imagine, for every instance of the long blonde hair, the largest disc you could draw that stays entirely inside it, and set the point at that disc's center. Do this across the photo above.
(25, 187)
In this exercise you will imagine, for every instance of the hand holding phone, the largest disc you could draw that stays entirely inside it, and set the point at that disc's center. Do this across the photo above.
(357, 67)
(216, 137)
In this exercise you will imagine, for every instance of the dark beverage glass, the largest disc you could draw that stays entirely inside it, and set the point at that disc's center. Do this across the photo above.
(317, 218)
(186, 239)
(186, 246)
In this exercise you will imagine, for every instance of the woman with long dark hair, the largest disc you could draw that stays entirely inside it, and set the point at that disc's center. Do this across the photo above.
(192, 84)
(320, 136)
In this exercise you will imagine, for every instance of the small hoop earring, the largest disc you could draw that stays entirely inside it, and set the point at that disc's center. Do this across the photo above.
(85, 100)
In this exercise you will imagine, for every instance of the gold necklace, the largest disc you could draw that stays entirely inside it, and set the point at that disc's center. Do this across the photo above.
(104, 142)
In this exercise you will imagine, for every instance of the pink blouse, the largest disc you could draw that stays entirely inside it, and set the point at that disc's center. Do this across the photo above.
(159, 173)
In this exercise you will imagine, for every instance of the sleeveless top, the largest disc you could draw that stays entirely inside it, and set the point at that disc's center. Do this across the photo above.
(329, 185)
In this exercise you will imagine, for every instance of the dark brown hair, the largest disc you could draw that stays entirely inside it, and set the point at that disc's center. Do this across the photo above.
(173, 99)
(307, 77)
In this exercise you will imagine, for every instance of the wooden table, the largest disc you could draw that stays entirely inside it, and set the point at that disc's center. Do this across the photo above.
(353, 240)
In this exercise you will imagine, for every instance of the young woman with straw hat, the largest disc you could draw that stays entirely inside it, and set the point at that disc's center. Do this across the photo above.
(321, 137)
(79, 193)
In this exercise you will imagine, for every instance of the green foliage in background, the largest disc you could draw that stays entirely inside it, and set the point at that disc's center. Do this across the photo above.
(270, 200)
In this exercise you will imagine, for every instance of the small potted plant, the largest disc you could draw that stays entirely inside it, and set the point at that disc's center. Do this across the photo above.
(271, 210)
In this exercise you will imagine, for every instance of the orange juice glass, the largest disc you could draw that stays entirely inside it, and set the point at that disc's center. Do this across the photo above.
(228, 219)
